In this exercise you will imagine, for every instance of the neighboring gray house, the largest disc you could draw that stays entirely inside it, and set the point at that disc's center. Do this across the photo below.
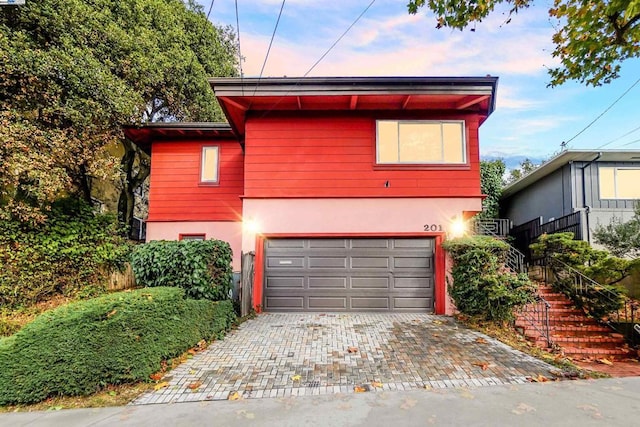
(596, 185)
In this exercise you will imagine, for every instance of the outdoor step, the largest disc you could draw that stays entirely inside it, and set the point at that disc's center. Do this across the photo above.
(576, 353)
(580, 331)
(565, 311)
(602, 343)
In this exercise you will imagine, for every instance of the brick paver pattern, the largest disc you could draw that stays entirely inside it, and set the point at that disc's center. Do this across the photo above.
(284, 355)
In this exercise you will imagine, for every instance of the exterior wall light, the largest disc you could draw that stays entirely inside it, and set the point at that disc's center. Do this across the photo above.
(251, 226)
(457, 227)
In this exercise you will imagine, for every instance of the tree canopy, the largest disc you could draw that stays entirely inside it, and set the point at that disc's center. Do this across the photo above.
(592, 38)
(73, 72)
(491, 183)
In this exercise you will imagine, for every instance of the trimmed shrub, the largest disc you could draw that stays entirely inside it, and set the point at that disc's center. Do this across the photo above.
(119, 338)
(481, 285)
(72, 253)
(201, 267)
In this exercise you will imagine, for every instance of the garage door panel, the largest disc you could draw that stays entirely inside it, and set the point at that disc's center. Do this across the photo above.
(370, 262)
(281, 303)
(370, 282)
(328, 303)
(274, 282)
(327, 262)
(328, 243)
(370, 244)
(412, 303)
(412, 262)
(285, 243)
(328, 282)
(413, 283)
(284, 262)
(368, 303)
(349, 274)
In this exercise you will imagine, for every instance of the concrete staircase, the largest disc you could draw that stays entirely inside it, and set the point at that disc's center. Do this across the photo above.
(572, 332)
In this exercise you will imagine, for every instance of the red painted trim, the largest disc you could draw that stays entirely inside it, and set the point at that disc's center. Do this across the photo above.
(258, 277)
(425, 196)
(181, 236)
(440, 273)
(439, 260)
(193, 220)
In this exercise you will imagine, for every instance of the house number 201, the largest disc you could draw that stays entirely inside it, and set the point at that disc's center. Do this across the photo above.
(432, 227)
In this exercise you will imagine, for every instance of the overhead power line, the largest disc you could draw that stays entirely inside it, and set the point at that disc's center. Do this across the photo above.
(266, 57)
(619, 138)
(604, 112)
(239, 48)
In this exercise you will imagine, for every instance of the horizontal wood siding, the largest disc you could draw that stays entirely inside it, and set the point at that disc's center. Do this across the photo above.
(176, 193)
(335, 157)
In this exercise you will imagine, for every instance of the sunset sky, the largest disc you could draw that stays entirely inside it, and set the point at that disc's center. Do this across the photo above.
(530, 118)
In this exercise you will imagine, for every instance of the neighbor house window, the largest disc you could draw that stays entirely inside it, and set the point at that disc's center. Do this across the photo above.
(209, 166)
(619, 183)
(420, 142)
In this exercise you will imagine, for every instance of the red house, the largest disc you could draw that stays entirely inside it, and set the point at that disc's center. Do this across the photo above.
(344, 187)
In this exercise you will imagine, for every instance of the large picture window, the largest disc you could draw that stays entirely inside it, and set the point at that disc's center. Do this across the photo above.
(420, 142)
(619, 183)
(209, 167)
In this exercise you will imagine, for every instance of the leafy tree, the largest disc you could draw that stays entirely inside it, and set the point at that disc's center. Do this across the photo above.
(592, 38)
(73, 72)
(621, 238)
(491, 183)
(526, 167)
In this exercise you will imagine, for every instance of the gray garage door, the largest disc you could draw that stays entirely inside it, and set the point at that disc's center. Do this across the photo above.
(349, 275)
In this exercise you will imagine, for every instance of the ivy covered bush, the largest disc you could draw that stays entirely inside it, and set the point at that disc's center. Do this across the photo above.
(73, 252)
(480, 285)
(201, 267)
(599, 299)
(118, 338)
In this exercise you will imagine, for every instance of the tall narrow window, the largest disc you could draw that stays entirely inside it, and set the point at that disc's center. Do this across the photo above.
(210, 163)
(420, 142)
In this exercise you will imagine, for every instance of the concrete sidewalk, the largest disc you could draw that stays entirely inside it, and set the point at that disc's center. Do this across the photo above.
(607, 402)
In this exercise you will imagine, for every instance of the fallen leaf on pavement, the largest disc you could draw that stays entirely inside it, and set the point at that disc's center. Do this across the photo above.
(157, 376)
(359, 389)
(376, 384)
(195, 385)
(352, 349)
(481, 340)
(483, 365)
(234, 395)
(163, 384)
(296, 378)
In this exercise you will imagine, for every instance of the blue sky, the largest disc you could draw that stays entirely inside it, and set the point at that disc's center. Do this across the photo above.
(530, 119)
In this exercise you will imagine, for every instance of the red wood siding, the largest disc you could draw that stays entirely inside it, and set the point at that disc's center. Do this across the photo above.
(335, 157)
(176, 193)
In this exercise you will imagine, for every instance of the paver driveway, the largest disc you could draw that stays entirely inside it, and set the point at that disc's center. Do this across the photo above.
(282, 355)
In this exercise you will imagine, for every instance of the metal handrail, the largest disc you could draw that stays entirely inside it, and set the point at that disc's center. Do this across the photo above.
(537, 315)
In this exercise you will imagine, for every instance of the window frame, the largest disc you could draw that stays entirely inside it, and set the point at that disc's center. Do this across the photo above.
(192, 236)
(464, 164)
(207, 182)
(615, 182)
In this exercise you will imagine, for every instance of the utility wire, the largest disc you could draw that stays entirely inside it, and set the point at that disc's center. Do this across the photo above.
(619, 138)
(239, 49)
(269, 48)
(321, 57)
(604, 112)
(629, 143)
(340, 38)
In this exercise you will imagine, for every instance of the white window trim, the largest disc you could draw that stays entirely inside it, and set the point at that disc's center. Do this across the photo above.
(441, 122)
(202, 164)
(615, 182)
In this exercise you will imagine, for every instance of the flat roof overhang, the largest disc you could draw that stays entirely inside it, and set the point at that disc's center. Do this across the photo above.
(144, 135)
(238, 96)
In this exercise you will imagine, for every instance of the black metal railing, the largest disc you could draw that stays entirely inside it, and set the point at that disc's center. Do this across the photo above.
(536, 315)
(496, 227)
(526, 233)
(576, 283)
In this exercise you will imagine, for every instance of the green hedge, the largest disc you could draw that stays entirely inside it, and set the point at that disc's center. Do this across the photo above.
(119, 338)
(481, 285)
(201, 267)
(72, 253)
